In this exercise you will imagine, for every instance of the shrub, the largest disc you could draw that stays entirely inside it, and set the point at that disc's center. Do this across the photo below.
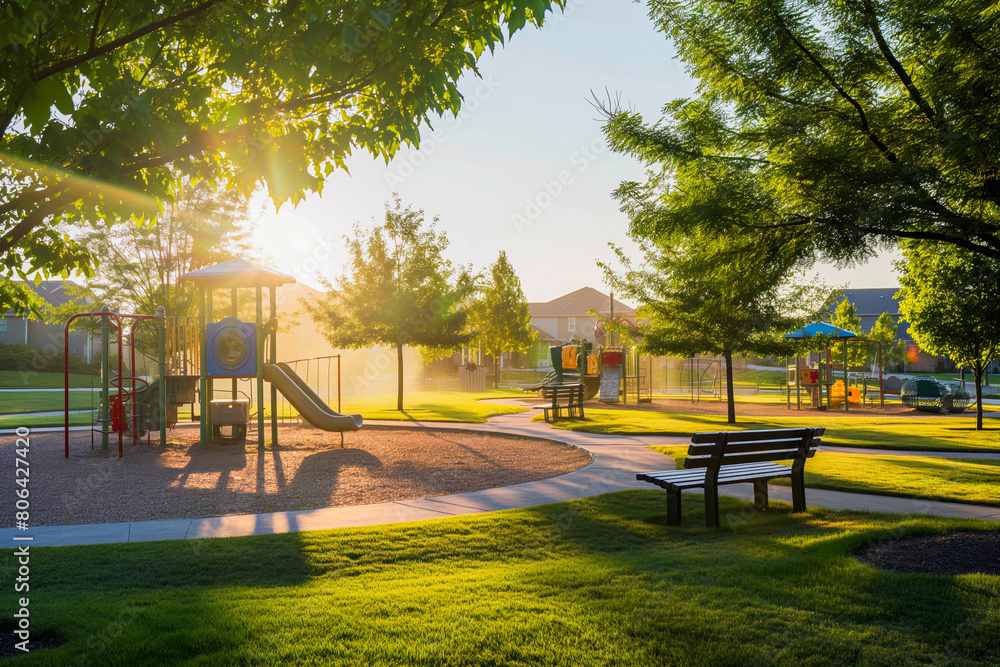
(15, 357)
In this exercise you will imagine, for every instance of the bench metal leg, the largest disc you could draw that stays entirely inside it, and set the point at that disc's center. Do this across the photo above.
(760, 494)
(712, 506)
(798, 492)
(673, 507)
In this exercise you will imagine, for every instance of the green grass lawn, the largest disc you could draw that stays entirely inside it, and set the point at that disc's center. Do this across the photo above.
(441, 406)
(33, 380)
(931, 433)
(40, 422)
(17, 402)
(601, 581)
(925, 477)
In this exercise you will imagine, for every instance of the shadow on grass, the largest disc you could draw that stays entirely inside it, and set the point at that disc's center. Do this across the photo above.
(770, 587)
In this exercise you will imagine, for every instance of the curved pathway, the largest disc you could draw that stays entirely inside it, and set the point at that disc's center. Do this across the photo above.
(616, 460)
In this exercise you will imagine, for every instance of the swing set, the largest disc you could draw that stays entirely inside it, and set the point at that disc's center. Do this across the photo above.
(121, 410)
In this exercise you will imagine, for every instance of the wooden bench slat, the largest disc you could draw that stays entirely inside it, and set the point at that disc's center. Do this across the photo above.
(750, 457)
(683, 475)
(756, 446)
(749, 436)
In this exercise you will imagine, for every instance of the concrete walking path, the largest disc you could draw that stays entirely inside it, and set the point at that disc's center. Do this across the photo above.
(616, 460)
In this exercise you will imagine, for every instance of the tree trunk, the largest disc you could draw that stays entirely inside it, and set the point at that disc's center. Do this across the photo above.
(977, 370)
(730, 398)
(399, 376)
(496, 371)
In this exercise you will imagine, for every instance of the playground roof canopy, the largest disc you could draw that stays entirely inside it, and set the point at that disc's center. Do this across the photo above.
(821, 329)
(237, 273)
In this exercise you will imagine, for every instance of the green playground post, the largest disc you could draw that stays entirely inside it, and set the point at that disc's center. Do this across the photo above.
(273, 355)
(260, 367)
(161, 323)
(234, 312)
(203, 363)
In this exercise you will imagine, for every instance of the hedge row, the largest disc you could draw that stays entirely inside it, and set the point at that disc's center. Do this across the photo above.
(14, 357)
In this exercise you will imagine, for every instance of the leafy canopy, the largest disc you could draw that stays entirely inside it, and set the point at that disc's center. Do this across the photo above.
(500, 316)
(703, 295)
(397, 290)
(849, 124)
(106, 104)
(950, 297)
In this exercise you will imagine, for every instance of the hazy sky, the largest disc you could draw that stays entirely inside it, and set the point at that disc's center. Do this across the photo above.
(524, 167)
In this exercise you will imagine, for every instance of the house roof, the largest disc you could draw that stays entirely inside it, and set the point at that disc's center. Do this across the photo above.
(543, 336)
(870, 303)
(237, 273)
(873, 301)
(576, 304)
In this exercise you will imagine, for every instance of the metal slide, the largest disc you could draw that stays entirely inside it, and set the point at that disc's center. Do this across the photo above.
(311, 407)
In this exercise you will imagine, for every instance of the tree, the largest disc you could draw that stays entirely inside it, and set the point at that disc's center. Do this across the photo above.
(104, 104)
(885, 331)
(845, 316)
(704, 295)
(397, 290)
(500, 315)
(950, 296)
(850, 123)
(142, 264)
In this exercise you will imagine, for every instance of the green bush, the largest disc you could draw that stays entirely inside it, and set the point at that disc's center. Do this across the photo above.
(14, 357)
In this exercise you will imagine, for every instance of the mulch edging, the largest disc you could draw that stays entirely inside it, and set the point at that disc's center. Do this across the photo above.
(945, 554)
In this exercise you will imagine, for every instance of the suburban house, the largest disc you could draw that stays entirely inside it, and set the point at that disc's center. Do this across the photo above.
(38, 335)
(573, 315)
(870, 303)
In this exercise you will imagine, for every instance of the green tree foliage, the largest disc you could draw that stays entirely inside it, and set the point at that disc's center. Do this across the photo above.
(105, 104)
(951, 297)
(845, 316)
(885, 331)
(397, 290)
(142, 265)
(850, 124)
(702, 295)
(500, 316)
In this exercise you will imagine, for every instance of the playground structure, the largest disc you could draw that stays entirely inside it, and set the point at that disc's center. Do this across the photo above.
(819, 377)
(238, 350)
(928, 394)
(612, 373)
(193, 354)
(123, 410)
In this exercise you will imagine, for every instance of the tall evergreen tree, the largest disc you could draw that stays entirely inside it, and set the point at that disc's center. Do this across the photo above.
(397, 290)
(500, 314)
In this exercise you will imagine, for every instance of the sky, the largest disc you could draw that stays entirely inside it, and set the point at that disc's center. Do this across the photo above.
(524, 167)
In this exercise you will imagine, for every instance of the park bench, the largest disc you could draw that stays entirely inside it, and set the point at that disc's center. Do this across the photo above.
(735, 457)
(568, 397)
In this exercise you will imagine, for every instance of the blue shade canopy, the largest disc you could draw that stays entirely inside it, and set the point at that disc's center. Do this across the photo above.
(821, 329)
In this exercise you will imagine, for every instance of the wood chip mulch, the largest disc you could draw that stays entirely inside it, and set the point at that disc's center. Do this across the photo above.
(947, 554)
(307, 470)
